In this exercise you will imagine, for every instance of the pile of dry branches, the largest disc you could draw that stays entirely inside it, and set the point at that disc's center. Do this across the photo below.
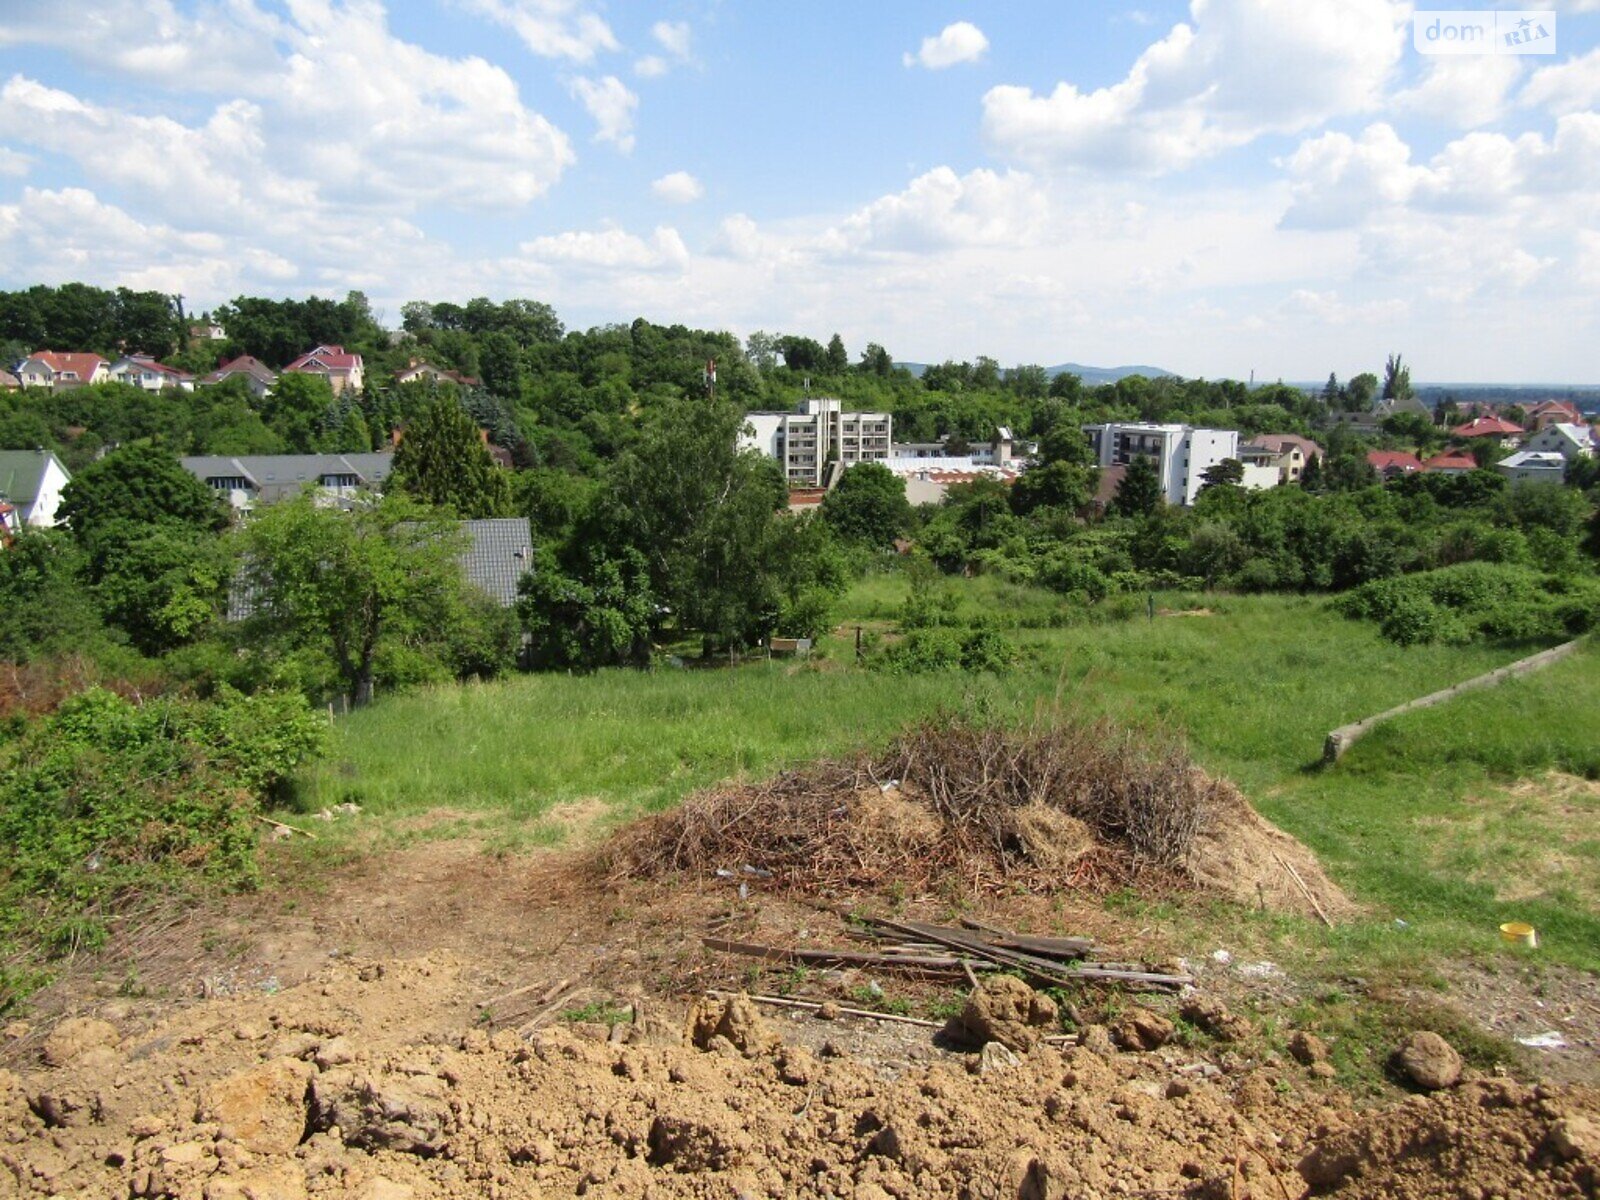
(1067, 804)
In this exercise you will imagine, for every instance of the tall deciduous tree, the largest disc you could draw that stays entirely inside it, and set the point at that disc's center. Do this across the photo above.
(1396, 379)
(140, 483)
(443, 461)
(698, 509)
(868, 505)
(339, 582)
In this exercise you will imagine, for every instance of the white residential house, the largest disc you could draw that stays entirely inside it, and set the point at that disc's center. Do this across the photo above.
(1001, 452)
(1533, 466)
(57, 368)
(1182, 454)
(258, 377)
(142, 371)
(1569, 441)
(816, 433)
(30, 488)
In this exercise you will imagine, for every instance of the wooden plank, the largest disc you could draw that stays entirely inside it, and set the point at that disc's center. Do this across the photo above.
(848, 958)
(812, 1006)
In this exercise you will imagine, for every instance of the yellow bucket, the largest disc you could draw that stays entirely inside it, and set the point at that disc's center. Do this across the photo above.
(1520, 933)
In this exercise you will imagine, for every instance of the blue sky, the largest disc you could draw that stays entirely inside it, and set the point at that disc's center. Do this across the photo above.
(1214, 187)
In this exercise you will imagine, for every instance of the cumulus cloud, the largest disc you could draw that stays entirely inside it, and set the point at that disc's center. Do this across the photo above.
(612, 106)
(1465, 90)
(14, 164)
(1565, 87)
(611, 250)
(1238, 70)
(673, 37)
(550, 28)
(679, 187)
(941, 209)
(961, 42)
(1341, 182)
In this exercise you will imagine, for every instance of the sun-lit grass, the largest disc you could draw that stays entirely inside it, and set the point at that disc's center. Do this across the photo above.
(1255, 686)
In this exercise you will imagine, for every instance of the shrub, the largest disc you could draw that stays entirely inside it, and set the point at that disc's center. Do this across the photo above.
(1476, 600)
(107, 800)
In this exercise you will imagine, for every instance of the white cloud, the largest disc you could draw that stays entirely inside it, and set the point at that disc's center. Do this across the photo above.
(69, 234)
(1243, 68)
(651, 66)
(679, 187)
(1464, 90)
(1340, 180)
(612, 106)
(1305, 304)
(941, 208)
(961, 42)
(611, 250)
(550, 28)
(673, 37)
(1565, 87)
(13, 163)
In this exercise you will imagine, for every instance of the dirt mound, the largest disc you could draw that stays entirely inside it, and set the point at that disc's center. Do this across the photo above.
(377, 1085)
(1486, 1138)
(1247, 858)
(1070, 805)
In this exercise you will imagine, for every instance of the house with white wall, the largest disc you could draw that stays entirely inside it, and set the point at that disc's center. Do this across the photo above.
(60, 368)
(1568, 440)
(247, 480)
(1182, 454)
(142, 371)
(1533, 466)
(30, 487)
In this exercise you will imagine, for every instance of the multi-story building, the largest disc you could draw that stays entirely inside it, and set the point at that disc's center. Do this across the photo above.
(818, 432)
(1182, 454)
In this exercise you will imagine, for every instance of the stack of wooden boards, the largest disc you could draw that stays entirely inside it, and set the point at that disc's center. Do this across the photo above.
(972, 947)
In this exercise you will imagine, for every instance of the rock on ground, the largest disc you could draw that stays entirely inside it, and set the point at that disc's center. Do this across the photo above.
(1005, 1010)
(1429, 1061)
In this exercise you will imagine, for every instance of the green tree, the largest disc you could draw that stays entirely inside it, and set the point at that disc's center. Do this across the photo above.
(1359, 394)
(868, 505)
(837, 360)
(698, 510)
(501, 363)
(875, 360)
(141, 483)
(296, 409)
(162, 585)
(337, 582)
(47, 611)
(1227, 473)
(761, 349)
(595, 614)
(1396, 379)
(443, 462)
(1140, 493)
(1059, 484)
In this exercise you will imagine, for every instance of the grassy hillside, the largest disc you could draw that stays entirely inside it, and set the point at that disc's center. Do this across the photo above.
(1255, 685)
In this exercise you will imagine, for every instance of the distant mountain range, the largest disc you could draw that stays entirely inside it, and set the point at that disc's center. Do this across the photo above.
(1087, 374)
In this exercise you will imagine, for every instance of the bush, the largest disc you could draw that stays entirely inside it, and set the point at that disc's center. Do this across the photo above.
(107, 800)
(1477, 600)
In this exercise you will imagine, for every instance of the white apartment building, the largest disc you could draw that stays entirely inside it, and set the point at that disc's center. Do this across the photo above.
(1182, 453)
(816, 432)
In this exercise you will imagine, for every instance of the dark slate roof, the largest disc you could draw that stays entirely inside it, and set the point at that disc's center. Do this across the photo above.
(500, 554)
(274, 476)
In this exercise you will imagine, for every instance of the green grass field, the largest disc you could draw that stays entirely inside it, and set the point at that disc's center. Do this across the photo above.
(1408, 823)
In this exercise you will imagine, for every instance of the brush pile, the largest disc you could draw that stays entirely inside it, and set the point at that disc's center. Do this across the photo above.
(1075, 803)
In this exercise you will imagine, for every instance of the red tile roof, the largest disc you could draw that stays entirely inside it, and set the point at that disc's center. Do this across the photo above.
(243, 365)
(1487, 427)
(80, 364)
(331, 359)
(1450, 460)
(1386, 461)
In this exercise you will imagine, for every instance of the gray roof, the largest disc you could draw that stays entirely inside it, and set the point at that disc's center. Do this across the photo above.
(500, 555)
(274, 476)
(21, 472)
